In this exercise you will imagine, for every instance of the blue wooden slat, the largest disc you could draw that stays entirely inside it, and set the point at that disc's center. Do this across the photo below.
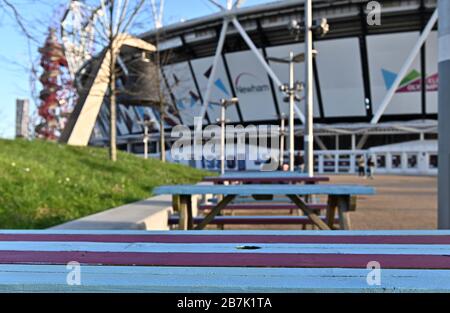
(393, 249)
(43, 278)
(273, 189)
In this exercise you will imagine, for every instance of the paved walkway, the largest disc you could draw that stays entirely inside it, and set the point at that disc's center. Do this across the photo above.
(402, 202)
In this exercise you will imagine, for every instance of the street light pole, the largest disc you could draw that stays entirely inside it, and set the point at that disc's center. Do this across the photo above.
(224, 103)
(309, 135)
(282, 139)
(146, 142)
(291, 113)
(222, 139)
(146, 123)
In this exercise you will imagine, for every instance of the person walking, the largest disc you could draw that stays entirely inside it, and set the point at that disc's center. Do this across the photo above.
(300, 163)
(361, 167)
(370, 168)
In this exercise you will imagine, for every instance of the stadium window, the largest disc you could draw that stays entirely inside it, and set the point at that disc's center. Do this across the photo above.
(412, 160)
(433, 161)
(381, 161)
(396, 161)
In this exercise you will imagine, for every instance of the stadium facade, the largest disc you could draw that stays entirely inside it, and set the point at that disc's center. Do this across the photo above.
(354, 69)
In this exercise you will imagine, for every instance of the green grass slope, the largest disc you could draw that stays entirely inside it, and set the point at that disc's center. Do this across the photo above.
(44, 184)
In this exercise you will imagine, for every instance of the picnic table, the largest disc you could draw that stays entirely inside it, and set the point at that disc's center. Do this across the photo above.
(340, 197)
(224, 261)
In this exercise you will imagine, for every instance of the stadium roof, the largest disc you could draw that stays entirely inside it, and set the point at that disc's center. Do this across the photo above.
(267, 24)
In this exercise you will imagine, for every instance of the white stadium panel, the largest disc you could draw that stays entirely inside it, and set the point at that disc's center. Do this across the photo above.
(341, 79)
(432, 73)
(252, 87)
(182, 85)
(387, 54)
(282, 71)
(221, 87)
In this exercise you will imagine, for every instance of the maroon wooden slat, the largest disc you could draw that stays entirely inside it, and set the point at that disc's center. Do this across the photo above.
(262, 180)
(226, 259)
(252, 220)
(264, 206)
(238, 239)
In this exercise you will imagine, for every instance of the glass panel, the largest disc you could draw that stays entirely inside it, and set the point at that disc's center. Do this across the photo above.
(381, 161)
(396, 161)
(412, 160)
(433, 161)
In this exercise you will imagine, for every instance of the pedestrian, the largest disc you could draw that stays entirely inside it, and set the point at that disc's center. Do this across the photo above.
(361, 167)
(370, 168)
(300, 162)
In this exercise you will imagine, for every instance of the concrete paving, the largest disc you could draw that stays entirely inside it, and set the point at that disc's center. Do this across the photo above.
(402, 202)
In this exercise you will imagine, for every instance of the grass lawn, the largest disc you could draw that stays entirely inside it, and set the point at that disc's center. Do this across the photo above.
(44, 184)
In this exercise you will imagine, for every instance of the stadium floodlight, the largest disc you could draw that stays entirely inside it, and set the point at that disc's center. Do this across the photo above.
(321, 27)
(291, 90)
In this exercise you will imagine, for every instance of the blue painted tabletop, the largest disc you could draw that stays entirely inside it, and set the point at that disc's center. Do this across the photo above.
(272, 189)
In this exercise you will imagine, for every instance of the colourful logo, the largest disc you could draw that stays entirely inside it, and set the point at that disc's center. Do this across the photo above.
(412, 82)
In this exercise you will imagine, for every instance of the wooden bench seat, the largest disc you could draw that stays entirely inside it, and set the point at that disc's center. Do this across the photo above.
(263, 206)
(252, 220)
(224, 261)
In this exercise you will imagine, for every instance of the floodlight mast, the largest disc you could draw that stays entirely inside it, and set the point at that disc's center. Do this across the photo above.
(309, 131)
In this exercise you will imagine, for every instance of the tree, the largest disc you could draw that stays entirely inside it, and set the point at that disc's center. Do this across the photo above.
(118, 17)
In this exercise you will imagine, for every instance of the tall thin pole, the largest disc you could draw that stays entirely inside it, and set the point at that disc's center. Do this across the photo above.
(112, 90)
(309, 136)
(222, 139)
(444, 115)
(291, 114)
(146, 142)
(282, 139)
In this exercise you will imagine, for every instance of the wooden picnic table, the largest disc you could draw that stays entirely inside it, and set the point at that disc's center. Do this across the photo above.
(224, 261)
(340, 197)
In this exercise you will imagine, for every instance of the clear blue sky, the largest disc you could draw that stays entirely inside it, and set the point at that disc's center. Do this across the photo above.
(14, 50)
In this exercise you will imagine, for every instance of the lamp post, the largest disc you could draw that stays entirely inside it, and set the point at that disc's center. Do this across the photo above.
(291, 89)
(282, 138)
(320, 28)
(309, 122)
(147, 124)
(224, 104)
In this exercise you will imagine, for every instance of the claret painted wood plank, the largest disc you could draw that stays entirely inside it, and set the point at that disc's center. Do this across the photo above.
(238, 237)
(256, 179)
(249, 190)
(404, 261)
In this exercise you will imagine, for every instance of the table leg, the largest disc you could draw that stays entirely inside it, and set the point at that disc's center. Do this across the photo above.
(185, 211)
(311, 215)
(216, 210)
(344, 204)
(331, 211)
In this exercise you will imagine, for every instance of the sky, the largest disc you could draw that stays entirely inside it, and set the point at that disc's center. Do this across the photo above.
(17, 54)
